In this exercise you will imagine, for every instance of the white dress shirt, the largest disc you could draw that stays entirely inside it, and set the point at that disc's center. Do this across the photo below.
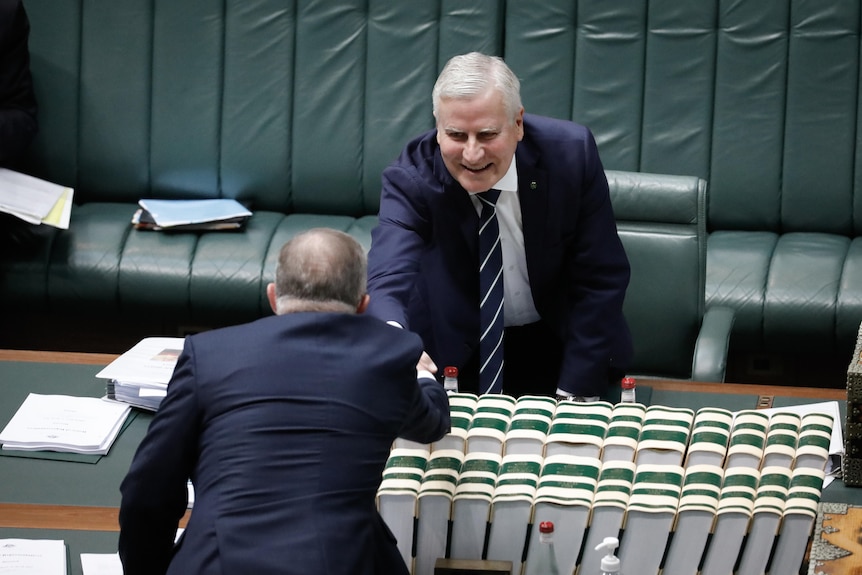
(518, 306)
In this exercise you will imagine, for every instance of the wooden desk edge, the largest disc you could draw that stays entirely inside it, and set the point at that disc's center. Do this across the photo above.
(72, 517)
(73, 357)
(816, 393)
(823, 394)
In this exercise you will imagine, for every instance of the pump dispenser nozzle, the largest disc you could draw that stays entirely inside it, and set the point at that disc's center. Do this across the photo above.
(610, 562)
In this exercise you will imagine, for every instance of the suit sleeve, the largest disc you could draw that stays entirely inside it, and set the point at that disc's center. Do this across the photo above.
(17, 99)
(154, 492)
(597, 344)
(428, 419)
(397, 244)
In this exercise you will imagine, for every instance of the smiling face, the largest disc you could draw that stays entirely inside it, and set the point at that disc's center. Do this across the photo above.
(478, 138)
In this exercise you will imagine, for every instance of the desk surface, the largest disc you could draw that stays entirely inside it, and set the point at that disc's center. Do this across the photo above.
(47, 494)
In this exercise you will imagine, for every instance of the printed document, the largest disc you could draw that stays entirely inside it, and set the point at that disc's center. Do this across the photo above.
(36, 556)
(64, 423)
(150, 361)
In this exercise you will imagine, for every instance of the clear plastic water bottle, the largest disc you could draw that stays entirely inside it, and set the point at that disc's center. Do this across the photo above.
(450, 379)
(547, 560)
(627, 395)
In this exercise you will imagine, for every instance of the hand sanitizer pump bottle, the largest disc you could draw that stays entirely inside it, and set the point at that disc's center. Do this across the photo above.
(610, 562)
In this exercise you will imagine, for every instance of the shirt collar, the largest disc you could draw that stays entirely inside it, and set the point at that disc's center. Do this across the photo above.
(509, 182)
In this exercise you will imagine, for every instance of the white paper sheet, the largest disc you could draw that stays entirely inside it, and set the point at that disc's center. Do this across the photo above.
(32, 556)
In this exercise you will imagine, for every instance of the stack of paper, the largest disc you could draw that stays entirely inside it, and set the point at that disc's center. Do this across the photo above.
(35, 201)
(190, 215)
(43, 556)
(64, 423)
(140, 376)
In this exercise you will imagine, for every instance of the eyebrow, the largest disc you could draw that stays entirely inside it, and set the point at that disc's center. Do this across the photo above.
(482, 131)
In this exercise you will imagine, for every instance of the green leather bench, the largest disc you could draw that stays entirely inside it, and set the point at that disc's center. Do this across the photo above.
(292, 108)
(761, 99)
(296, 107)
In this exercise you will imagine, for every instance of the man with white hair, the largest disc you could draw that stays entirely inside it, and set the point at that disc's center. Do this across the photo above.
(497, 244)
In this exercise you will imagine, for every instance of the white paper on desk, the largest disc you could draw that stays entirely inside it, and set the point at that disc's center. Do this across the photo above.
(150, 361)
(64, 423)
(151, 392)
(106, 563)
(836, 441)
(101, 564)
(36, 556)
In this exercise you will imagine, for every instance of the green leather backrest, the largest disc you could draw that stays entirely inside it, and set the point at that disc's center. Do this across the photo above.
(759, 97)
(298, 105)
(294, 106)
(661, 222)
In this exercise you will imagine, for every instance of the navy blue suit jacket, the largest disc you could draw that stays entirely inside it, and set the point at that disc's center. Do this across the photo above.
(423, 270)
(284, 425)
(18, 123)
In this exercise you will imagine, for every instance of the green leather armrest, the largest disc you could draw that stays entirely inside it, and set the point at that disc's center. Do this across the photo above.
(710, 351)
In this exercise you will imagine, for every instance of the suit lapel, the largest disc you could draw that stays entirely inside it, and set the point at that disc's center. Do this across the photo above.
(533, 194)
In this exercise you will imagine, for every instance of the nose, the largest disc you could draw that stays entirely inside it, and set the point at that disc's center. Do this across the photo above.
(473, 151)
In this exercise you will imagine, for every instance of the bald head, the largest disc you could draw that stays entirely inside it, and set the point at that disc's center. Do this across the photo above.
(319, 270)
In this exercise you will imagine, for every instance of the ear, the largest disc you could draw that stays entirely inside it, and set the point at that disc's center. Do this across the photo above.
(270, 295)
(519, 123)
(363, 304)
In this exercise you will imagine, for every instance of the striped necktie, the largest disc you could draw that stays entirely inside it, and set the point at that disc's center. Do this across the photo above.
(491, 292)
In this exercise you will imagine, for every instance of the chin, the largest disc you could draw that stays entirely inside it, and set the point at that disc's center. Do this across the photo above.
(475, 187)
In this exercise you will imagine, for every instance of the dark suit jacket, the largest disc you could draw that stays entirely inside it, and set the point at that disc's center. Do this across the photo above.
(284, 426)
(423, 270)
(17, 100)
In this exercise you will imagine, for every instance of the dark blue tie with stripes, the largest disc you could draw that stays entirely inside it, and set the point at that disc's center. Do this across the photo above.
(491, 293)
